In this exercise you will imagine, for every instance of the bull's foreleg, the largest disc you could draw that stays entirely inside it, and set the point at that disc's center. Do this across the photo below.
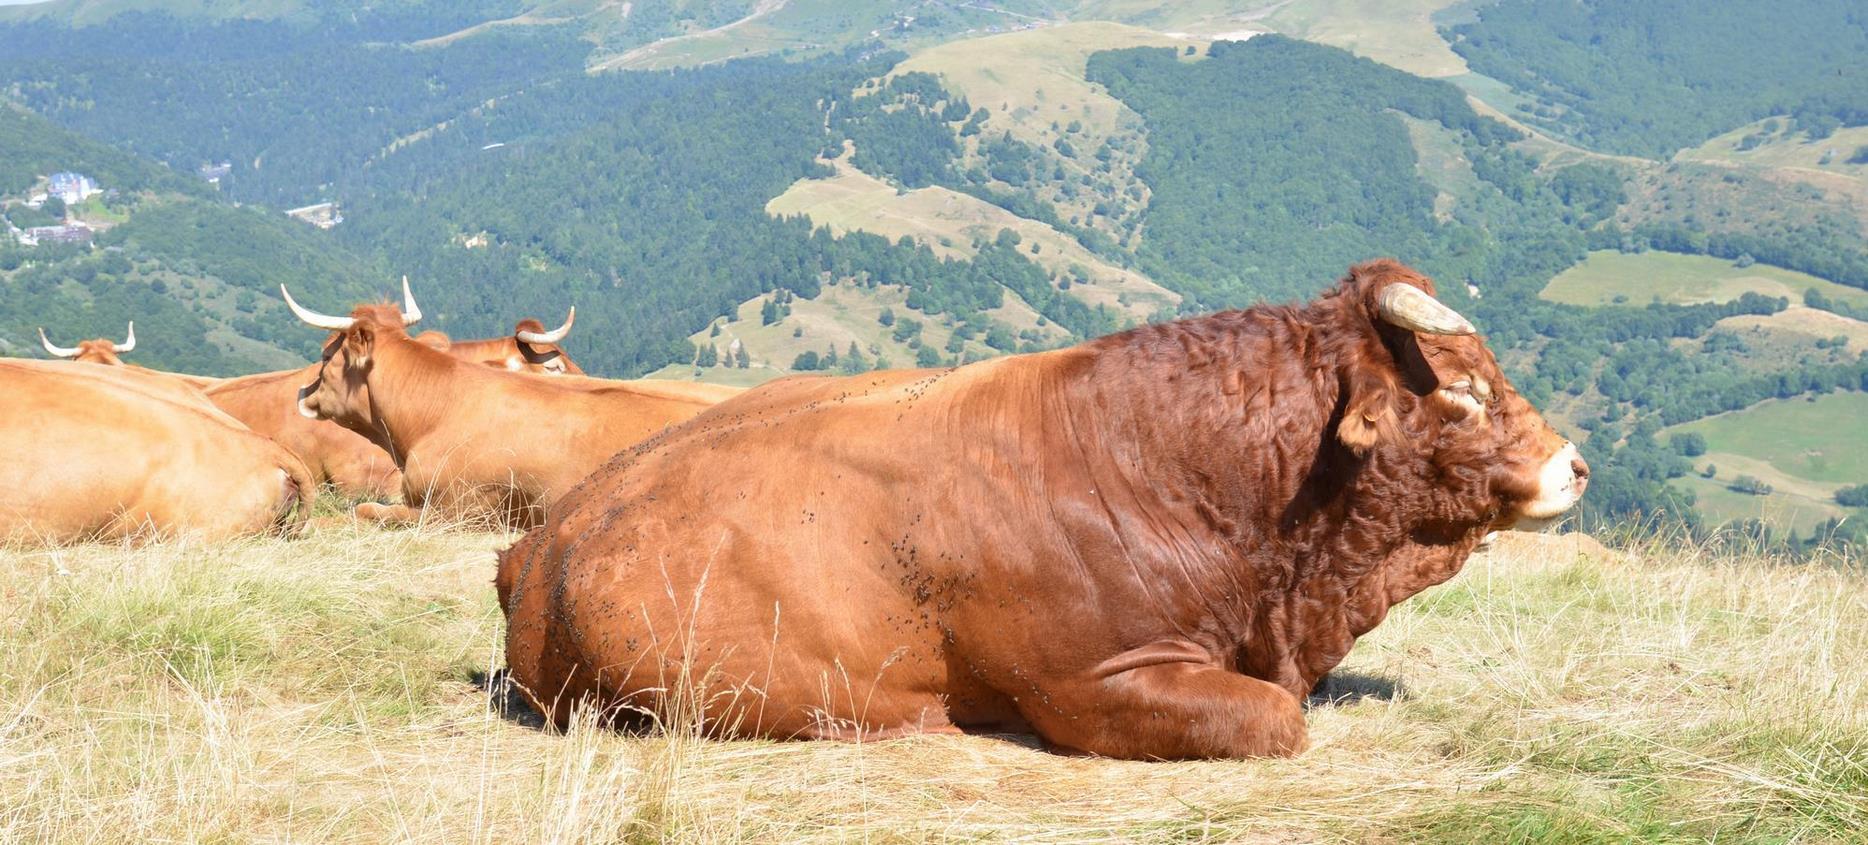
(1171, 701)
(387, 515)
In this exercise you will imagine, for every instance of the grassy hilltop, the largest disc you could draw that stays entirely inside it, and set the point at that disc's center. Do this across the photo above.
(325, 690)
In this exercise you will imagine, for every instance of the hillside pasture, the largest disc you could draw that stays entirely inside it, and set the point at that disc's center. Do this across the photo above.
(1771, 143)
(1400, 33)
(1805, 449)
(1817, 438)
(1794, 505)
(839, 315)
(1033, 85)
(1640, 278)
(948, 222)
(330, 690)
(1805, 323)
(1036, 76)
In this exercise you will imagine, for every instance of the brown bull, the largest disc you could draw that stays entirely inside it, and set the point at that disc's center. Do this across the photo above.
(100, 452)
(1151, 545)
(476, 442)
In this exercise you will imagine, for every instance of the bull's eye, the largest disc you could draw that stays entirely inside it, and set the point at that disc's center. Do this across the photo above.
(1462, 387)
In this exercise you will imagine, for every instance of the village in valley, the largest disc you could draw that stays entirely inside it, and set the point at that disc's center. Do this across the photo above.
(55, 212)
(68, 207)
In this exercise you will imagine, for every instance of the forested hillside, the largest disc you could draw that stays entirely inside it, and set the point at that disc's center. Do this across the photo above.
(1649, 77)
(842, 208)
(294, 109)
(194, 272)
(1298, 156)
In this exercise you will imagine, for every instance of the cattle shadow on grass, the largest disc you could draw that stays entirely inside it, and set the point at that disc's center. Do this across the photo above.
(502, 696)
(1343, 688)
(1337, 689)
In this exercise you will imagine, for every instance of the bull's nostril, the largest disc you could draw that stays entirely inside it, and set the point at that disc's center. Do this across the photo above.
(1580, 468)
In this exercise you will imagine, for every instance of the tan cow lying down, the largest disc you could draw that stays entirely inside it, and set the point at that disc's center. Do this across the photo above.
(528, 349)
(105, 351)
(344, 459)
(349, 462)
(1150, 545)
(475, 442)
(95, 451)
(95, 351)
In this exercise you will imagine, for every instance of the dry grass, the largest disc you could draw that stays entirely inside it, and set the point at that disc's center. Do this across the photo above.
(323, 690)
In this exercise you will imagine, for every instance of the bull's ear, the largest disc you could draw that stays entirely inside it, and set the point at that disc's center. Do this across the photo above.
(359, 342)
(1369, 418)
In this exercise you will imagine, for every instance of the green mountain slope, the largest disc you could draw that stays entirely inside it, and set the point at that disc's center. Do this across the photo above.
(843, 208)
(196, 274)
(1294, 155)
(1649, 78)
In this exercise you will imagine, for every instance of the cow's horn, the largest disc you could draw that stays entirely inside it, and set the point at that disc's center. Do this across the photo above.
(128, 343)
(315, 319)
(60, 351)
(411, 313)
(552, 336)
(1416, 310)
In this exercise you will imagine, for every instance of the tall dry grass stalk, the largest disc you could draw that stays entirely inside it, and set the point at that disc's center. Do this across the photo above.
(330, 690)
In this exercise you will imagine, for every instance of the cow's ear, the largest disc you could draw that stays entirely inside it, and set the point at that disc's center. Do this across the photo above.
(1369, 417)
(359, 342)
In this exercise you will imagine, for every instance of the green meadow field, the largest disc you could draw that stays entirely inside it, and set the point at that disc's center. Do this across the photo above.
(1608, 277)
(1805, 449)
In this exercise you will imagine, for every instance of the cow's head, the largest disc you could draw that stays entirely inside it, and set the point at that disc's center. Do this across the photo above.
(341, 393)
(1420, 383)
(537, 350)
(98, 351)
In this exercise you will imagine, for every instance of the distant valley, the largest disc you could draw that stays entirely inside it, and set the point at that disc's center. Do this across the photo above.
(734, 190)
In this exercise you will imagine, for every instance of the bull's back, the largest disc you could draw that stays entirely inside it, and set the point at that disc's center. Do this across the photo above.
(809, 517)
(88, 458)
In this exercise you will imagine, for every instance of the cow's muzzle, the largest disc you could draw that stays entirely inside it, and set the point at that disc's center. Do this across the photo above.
(1560, 485)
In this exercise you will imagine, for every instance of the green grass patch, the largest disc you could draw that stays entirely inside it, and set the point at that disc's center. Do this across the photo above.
(1821, 440)
(1608, 277)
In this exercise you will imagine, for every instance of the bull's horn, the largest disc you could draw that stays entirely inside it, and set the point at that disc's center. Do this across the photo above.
(315, 319)
(411, 313)
(553, 336)
(60, 351)
(128, 343)
(1416, 310)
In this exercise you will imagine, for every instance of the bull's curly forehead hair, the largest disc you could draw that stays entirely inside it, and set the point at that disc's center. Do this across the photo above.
(379, 315)
(1367, 278)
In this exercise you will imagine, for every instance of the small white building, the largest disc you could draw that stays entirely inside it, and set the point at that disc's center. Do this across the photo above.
(73, 188)
(323, 215)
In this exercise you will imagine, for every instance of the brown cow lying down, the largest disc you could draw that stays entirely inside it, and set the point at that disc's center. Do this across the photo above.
(472, 441)
(1150, 545)
(349, 462)
(100, 452)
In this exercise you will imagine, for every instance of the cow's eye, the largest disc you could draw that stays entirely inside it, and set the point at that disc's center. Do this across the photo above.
(1461, 386)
